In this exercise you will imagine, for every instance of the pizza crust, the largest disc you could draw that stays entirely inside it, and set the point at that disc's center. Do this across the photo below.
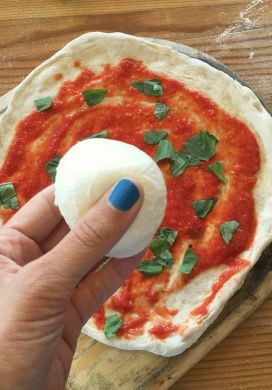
(94, 50)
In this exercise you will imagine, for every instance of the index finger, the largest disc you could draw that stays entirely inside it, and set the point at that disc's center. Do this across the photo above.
(38, 217)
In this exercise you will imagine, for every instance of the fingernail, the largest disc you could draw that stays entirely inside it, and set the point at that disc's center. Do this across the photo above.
(124, 195)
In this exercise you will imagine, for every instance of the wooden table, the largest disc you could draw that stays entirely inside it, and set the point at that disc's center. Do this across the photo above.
(238, 33)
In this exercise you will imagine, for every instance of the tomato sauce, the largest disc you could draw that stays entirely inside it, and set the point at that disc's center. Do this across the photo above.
(126, 113)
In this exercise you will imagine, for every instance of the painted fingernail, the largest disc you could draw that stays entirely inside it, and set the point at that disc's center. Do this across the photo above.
(124, 195)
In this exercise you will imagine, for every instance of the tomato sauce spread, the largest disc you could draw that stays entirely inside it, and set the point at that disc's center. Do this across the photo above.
(126, 114)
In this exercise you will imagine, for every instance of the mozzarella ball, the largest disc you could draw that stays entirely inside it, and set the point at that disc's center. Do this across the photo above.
(93, 166)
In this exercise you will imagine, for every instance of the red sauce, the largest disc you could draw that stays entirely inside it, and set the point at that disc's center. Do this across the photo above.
(99, 318)
(77, 64)
(40, 136)
(236, 265)
(58, 76)
(133, 327)
(163, 330)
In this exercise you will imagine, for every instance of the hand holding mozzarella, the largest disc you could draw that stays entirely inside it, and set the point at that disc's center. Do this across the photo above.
(92, 167)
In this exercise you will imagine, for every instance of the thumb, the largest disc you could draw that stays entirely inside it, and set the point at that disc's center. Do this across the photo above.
(96, 233)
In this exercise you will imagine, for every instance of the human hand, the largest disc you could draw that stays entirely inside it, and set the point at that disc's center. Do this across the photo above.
(46, 296)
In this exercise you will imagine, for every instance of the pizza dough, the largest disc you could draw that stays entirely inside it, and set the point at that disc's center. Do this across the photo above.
(93, 166)
(94, 51)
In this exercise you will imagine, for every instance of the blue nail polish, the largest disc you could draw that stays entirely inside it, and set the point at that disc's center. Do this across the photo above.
(124, 195)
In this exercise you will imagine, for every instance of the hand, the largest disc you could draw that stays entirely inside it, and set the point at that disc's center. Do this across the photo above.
(46, 296)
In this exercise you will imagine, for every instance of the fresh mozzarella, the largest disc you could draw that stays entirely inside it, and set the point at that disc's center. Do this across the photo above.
(92, 167)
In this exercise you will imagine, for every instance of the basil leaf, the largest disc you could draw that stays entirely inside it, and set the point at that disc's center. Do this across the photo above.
(112, 324)
(157, 246)
(202, 207)
(94, 96)
(202, 146)
(103, 264)
(149, 87)
(165, 259)
(165, 150)
(154, 137)
(51, 167)
(161, 110)
(218, 169)
(180, 163)
(193, 162)
(102, 134)
(189, 261)
(8, 196)
(168, 234)
(227, 230)
(150, 268)
(43, 103)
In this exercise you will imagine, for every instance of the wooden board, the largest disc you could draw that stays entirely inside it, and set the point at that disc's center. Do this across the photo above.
(238, 32)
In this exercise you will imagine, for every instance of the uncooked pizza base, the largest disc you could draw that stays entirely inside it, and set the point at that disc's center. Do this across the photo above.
(94, 50)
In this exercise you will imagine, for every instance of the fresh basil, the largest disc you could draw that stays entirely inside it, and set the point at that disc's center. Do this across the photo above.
(151, 87)
(157, 246)
(189, 261)
(161, 110)
(227, 230)
(8, 196)
(180, 163)
(165, 150)
(94, 96)
(218, 169)
(167, 234)
(202, 207)
(193, 162)
(43, 103)
(165, 238)
(112, 324)
(154, 137)
(102, 134)
(51, 167)
(165, 259)
(102, 265)
(202, 146)
(150, 268)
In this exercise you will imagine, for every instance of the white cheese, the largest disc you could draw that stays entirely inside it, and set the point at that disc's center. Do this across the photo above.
(93, 166)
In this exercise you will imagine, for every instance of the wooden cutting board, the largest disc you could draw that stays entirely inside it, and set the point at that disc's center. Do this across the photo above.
(100, 367)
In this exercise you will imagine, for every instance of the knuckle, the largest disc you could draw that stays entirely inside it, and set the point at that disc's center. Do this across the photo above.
(90, 234)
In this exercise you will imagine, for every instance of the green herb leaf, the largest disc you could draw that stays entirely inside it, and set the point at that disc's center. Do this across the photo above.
(165, 150)
(112, 324)
(149, 87)
(202, 207)
(180, 163)
(158, 245)
(202, 146)
(168, 234)
(165, 259)
(43, 103)
(193, 162)
(102, 134)
(154, 137)
(227, 230)
(8, 196)
(51, 167)
(189, 261)
(161, 110)
(94, 96)
(218, 169)
(150, 268)
(103, 264)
